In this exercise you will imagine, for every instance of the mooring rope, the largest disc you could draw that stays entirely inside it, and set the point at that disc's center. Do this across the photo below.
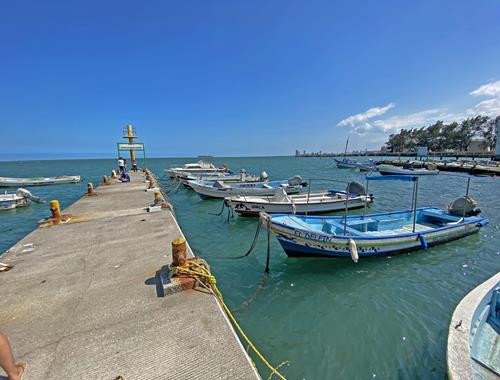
(221, 210)
(200, 272)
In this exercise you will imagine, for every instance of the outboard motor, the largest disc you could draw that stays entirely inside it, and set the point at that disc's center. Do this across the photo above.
(263, 175)
(27, 194)
(296, 180)
(356, 188)
(463, 205)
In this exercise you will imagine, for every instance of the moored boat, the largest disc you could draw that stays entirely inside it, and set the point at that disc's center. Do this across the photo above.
(379, 234)
(305, 203)
(197, 167)
(217, 189)
(222, 177)
(474, 334)
(38, 181)
(20, 198)
(347, 163)
(386, 169)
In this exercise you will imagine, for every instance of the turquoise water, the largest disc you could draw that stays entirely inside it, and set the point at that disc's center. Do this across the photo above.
(384, 318)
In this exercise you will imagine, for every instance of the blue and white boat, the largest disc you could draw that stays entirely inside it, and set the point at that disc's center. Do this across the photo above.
(474, 334)
(375, 234)
(218, 189)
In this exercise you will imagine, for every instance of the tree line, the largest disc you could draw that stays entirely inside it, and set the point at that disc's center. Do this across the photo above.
(439, 136)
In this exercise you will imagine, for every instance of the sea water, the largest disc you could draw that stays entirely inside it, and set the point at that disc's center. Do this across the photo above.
(383, 318)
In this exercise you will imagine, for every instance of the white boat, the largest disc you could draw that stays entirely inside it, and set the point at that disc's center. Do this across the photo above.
(222, 177)
(354, 164)
(385, 169)
(38, 181)
(197, 167)
(217, 189)
(310, 203)
(20, 198)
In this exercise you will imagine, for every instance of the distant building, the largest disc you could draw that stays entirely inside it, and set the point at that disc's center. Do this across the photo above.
(478, 145)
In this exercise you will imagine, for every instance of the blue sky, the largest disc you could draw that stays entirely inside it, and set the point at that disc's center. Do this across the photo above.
(240, 78)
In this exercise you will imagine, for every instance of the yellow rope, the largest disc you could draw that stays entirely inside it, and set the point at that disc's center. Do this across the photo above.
(196, 270)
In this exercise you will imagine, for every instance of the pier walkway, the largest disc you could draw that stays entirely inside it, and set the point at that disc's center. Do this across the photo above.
(83, 303)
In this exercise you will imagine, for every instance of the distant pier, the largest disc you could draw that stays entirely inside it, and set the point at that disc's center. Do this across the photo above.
(85, 298)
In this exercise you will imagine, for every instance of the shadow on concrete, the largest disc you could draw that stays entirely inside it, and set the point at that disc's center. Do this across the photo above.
(160, 278)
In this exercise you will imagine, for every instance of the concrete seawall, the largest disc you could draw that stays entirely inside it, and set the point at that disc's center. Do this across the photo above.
(82, 300)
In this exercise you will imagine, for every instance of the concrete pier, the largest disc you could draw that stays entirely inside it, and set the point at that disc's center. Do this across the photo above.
(83, 299)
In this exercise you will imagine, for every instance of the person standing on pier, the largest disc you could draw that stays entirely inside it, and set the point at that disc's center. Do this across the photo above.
(14, 371)
(121, 164)
(134, 165)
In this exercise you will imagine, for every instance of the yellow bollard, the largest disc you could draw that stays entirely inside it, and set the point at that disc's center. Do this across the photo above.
(55, 208)
(151, 184)
(158, 199)
(179, 252)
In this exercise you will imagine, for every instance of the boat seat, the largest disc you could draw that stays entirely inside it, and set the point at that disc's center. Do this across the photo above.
(439, 215)
(361, 221)
(327, 227)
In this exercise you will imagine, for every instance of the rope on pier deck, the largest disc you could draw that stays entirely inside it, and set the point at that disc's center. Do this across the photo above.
(206, 279)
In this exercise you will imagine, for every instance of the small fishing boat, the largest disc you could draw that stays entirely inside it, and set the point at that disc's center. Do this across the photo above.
(20, 198)
(222, 177)
(38, 181)
(474, 334)
(379, 234)
(347, 163)
(197, 167)
(305, 203)
(386, 169)
(218, 189)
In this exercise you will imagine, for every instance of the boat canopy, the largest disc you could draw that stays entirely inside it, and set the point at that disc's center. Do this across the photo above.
(397, 177)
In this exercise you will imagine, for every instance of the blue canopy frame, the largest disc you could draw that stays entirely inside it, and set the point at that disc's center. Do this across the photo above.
(399, 177)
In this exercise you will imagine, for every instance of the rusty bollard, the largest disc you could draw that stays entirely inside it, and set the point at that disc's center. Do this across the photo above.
(158, 199)
(179, 257)
(114, 175)
(105, 180)
(55, 208)
(90, 189)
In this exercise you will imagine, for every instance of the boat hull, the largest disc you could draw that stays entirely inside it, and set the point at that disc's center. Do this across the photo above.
(353, 165)
(398, 171)
(248, 208)
(17, 182)
(250, 189)
(11, 201)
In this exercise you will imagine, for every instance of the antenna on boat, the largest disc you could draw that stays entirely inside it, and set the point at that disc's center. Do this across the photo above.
(346, 204)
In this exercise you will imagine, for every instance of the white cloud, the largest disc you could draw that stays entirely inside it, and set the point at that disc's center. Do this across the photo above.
(362, 118)
(362, 123)
(489, 107)
(417, 119)
(488, 89)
